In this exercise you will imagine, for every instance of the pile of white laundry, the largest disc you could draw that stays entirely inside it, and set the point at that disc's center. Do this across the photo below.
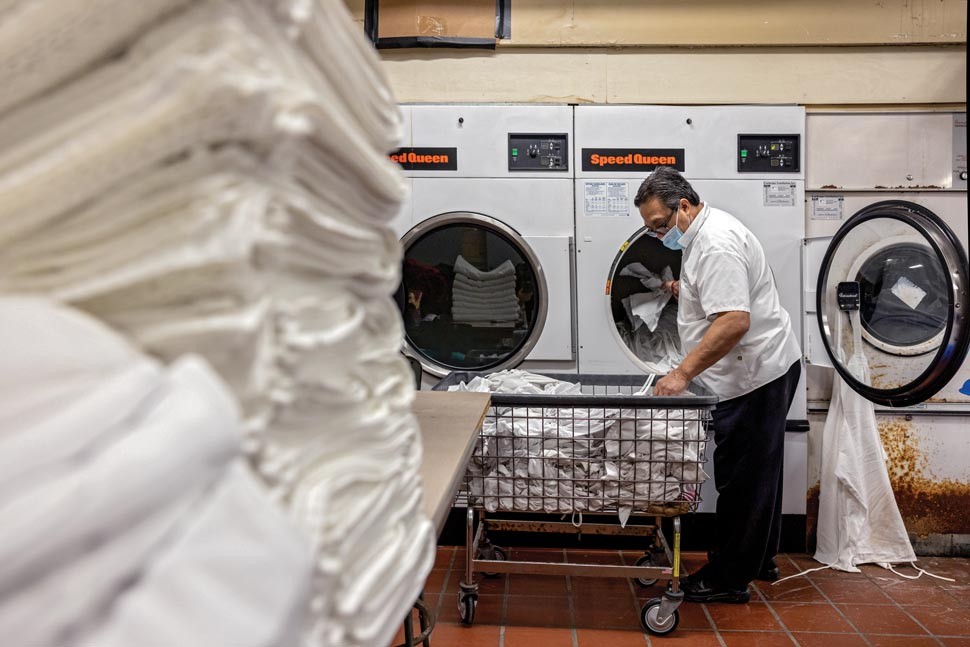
(130, 515)
(212, 178)
(576, 459)
(651, 329)
(479, 296)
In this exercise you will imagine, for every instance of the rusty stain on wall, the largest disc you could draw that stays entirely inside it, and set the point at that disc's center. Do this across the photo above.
(884, 382)
(883, 377)
(811, 517)
(928, 506)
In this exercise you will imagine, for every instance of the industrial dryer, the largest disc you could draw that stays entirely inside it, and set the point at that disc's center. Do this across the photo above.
(487, 237)
(746, 160)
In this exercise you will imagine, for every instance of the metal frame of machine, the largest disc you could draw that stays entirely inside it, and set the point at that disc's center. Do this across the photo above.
(905, 170)
(503, 169)
(708, 144)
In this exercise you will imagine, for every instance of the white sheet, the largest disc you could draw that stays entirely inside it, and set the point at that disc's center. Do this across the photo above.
(858, 520)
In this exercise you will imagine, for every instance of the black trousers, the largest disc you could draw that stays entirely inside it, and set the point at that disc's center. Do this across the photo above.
(748, 471)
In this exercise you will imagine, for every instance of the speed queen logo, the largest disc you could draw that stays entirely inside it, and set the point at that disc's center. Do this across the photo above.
(426, 159)
(632, 159)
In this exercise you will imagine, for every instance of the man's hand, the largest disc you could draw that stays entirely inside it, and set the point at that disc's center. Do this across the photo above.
(723, 335)
(673, 287)
(674, 383)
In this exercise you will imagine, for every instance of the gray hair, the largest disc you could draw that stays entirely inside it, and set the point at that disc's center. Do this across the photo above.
(668, 185)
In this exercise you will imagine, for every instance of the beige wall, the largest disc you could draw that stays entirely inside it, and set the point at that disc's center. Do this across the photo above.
(571, 23)
(737, 22)
(706, 51)
(842, 75)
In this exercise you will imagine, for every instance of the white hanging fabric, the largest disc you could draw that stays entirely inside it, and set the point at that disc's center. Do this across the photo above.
(858, 520)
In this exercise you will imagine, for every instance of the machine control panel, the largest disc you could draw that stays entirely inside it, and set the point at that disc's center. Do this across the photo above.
(769, 153)
(959, 151)
(848, 295)
(538, 152)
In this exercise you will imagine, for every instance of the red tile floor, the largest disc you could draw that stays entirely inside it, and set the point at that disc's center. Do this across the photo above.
(825, 609)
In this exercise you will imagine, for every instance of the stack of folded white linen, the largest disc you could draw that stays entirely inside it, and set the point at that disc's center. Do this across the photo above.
(216, 182)
(576, 459)
(130, 515)
(479, 296)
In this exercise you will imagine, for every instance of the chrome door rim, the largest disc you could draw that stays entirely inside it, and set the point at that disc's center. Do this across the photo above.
(952, 352)
(497, 226)
(629, 242)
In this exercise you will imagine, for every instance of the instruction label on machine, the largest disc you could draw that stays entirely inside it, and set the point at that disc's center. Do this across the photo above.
(606, 199)
(827, 207)
(779, 194)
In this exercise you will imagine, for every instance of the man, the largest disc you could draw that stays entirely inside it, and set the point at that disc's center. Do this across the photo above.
(740, 344)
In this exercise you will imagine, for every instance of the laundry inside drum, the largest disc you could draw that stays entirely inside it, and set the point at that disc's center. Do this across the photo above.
(644, 312)
(469, 297)
(904, 301)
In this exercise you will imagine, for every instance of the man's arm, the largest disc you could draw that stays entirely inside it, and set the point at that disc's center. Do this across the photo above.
(723, 335)
(673, 287)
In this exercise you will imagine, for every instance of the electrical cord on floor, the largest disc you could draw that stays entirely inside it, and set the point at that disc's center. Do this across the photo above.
(887, 566)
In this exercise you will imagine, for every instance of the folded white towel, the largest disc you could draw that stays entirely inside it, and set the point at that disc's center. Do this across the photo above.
(77, 593)
(268, 598)
(363, 86)
(485, 310)
(484, 316)
(475, 306)
(87, 516)
(491, 301)
(475, 298)
(504, 270)
(496, 285)
(85, 31)
(122, 484)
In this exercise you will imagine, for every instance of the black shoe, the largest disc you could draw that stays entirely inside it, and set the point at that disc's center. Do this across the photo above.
(769, 572)
(697, 589)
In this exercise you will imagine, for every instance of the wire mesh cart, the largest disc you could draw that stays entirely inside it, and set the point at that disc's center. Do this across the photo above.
(600, 445)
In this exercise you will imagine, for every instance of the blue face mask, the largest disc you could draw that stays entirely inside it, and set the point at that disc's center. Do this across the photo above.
(671, 239)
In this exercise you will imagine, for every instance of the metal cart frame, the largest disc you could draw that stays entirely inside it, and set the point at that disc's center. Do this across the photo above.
(616, 397)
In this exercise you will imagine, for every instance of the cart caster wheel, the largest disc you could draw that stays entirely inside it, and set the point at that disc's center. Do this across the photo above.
(645, 560)
(650, 619)
(493, 553)
(466, 608)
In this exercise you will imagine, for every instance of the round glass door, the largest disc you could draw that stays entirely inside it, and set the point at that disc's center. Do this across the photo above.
(892, 301)
(643, 311)
(472, 295)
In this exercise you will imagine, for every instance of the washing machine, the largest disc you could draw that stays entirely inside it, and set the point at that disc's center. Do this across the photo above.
(895, 231)
(886, 277)
(487, 277)
(746, 160)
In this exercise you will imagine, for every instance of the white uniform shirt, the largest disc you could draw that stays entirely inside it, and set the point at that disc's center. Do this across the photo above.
(724, 268)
